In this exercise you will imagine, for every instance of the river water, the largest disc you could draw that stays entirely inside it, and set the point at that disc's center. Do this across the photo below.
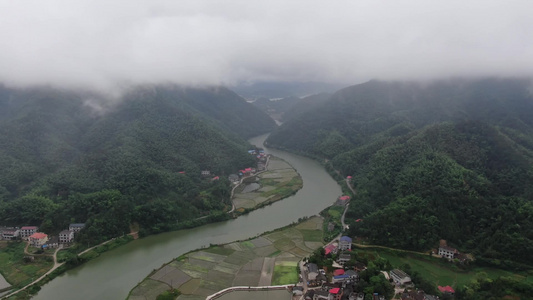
(115, 273)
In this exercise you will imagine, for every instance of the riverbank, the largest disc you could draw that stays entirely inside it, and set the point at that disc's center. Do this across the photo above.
(61, 265)
(270, 259)
(115, 272)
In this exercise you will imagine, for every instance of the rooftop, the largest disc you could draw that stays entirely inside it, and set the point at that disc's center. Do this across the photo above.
(29, 227)
(38, 235)
(77, 225)
(446, 289)
(346, 239)
(399, 273)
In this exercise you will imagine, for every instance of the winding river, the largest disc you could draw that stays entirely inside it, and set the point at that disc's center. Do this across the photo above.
(115, 273)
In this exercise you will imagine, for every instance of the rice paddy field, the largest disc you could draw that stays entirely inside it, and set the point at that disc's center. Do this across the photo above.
(281, 180)
(270, 259)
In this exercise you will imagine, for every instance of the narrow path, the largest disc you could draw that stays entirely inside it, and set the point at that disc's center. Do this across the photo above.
(394, 249)
(101, 244)
(240, 182)
(56, 265)
(348, 183)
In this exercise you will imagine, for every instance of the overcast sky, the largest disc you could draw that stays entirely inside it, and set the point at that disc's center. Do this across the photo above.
(108, 43)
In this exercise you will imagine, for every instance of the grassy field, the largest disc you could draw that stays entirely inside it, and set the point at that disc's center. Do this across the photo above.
(266, 260)
(13, 267)
(285, 275)
(437, 271)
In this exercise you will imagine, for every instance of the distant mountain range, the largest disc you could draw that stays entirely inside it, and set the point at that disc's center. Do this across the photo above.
(139, 156)
(443, 160)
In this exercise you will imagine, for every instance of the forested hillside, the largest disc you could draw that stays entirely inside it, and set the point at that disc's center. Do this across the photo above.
(135, 160)
(445, 160)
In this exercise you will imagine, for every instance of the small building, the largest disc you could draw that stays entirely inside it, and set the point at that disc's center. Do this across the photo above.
(338, 272)
(38, 239)
(446, 290)
(206, 173)
(66, 236)
(10, 234)
(76, 227)
(353, 275)
(335, 294)
(399, 276)
(321, 295)
(340, 278)
(345, 243)
(312, 271)
(331, 248)
(331, 226)
(26, 231)
(233, 178)
(447, 252)
(52, 243)
(343, 258)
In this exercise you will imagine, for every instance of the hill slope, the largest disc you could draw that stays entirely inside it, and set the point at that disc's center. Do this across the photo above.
(448, 160)
(138, 162)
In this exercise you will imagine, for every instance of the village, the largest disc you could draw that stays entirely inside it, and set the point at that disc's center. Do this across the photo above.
(41, 240)
(341, 281)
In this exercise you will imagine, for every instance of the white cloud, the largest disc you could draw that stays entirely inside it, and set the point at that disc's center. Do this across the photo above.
(108, 43)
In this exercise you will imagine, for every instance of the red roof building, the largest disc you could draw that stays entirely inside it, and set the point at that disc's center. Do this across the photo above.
(334, 291)
(38, 239)
(446, 289)
(344, 198)
(338, 272)
(330, 249)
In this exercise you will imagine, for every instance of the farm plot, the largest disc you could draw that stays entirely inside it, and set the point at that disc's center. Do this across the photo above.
(262, 261)
(280, 181)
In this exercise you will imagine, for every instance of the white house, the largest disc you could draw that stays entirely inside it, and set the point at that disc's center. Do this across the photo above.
(66, 236)
(26, 231)
(447, 252)
(345, 243)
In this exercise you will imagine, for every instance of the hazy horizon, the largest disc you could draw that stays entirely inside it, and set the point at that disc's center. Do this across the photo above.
(96, 44)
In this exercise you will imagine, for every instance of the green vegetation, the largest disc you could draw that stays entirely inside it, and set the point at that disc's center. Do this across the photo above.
(448, 160)
(18, 271)
(169, 295)
(136, 161)
(270, 259)
(285, 275)
(438, 271)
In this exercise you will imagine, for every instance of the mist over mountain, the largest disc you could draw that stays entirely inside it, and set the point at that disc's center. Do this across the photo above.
(444, 160)
(62, 161)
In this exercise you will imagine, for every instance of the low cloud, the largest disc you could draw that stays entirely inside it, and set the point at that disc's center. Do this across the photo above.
(107, 44)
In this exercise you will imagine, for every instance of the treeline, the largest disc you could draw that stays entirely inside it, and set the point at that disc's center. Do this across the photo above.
(73, 157)
(448, 160)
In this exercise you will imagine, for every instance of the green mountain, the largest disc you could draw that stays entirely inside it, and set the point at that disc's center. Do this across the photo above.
(444, 160)
(135, 160)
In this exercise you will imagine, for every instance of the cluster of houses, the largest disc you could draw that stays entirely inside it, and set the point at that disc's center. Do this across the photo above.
(40, 239)
(343, 281)
(261, 157)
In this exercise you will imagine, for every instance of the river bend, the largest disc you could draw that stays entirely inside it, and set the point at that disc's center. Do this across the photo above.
(115, 273)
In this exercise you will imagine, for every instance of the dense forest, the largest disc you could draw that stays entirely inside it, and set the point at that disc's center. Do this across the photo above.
(81, 157)
(446, 160)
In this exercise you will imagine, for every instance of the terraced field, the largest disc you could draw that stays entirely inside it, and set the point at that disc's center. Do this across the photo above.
(270, 259)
